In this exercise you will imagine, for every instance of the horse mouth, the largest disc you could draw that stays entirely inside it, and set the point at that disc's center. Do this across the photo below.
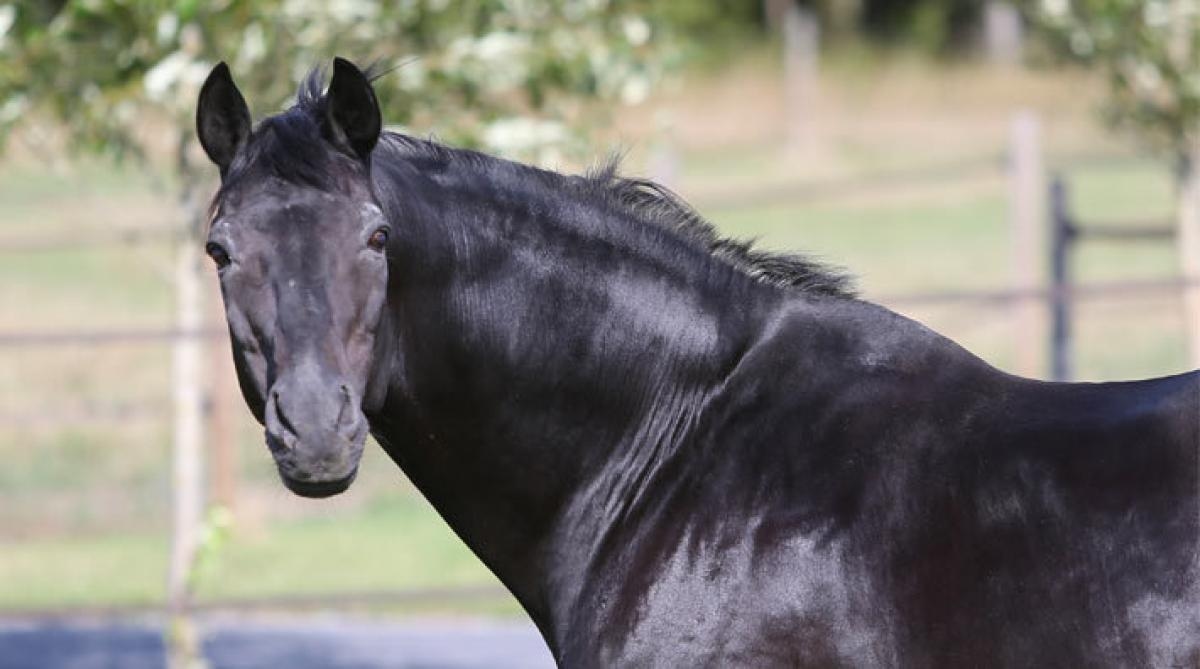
(319, 489)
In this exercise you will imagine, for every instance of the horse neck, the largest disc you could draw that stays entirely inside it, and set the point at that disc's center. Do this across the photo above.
(532, 364)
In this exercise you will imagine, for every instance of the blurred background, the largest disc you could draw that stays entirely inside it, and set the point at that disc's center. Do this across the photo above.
(1017, 176)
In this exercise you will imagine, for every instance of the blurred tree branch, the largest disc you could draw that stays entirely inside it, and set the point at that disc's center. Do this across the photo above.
(466, 70)
(1149, 50)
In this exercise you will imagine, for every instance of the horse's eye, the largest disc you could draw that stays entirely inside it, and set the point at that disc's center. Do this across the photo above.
(378, 240)
(217, 253)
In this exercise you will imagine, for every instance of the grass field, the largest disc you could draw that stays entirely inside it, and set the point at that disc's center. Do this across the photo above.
(396, 543)
(85, 499)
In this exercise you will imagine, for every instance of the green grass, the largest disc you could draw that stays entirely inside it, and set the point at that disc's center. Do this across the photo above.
(31, 185)
(396, 543)
(83, 288)
(79, 571)
(959, 238)
(891, 248)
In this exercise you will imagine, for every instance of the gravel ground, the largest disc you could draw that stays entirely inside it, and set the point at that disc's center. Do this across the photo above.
(309, 643)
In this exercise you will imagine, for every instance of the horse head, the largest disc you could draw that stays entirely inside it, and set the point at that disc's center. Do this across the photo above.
(300, 246)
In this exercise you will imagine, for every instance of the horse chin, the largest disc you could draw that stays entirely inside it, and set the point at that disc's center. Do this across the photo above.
(319, 489)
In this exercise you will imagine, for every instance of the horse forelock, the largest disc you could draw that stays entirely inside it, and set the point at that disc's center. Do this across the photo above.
(289, 147)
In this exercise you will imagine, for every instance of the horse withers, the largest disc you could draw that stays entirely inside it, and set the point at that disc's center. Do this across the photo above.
(674, 449)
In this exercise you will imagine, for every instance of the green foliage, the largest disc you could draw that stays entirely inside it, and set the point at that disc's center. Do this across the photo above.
(934, 26)
(1150, 52)
(214, 537)
(711, 30)
(502, 73)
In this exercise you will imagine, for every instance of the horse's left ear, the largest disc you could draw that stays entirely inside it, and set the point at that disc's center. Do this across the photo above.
(352, 113)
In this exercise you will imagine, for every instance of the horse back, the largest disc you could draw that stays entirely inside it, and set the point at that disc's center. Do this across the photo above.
(863, 492)
(1079, 525)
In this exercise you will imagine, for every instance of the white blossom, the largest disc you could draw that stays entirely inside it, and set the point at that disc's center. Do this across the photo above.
(175, 79)
(1082, 43)
(499, 45)
(411, 75)
(1056, 9)
(520, 136)
(1147, 78)
(636, 29)
(166, 28)
(8, 16)
(13, 108)
(635, 90)
(254, 45)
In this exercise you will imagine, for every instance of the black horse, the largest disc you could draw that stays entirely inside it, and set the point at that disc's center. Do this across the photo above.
(675, 450)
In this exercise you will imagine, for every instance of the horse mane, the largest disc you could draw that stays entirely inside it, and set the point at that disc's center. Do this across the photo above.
(656, 204)
(290, 156)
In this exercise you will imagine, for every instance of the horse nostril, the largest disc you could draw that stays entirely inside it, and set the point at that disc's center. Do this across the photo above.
(283, 418)
(346, 409)
(314, 414)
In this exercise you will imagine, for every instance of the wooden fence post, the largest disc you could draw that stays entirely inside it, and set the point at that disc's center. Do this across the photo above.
(1002, 32)
(223, 395)
(664, 163)
(1189, 249)
(801, 39)
(773, 11)
(1181, 49)
(187, 488)
(1026, 177)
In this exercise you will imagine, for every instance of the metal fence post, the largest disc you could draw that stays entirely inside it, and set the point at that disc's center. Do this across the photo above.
(1062, 234)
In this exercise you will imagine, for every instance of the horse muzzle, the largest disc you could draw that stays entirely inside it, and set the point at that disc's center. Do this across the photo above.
(315, 429)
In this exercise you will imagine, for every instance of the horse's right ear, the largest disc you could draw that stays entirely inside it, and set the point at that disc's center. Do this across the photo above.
(222, 117)
(352, 113)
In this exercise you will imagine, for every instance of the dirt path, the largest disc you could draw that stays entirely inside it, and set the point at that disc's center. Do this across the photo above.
(309, 643)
